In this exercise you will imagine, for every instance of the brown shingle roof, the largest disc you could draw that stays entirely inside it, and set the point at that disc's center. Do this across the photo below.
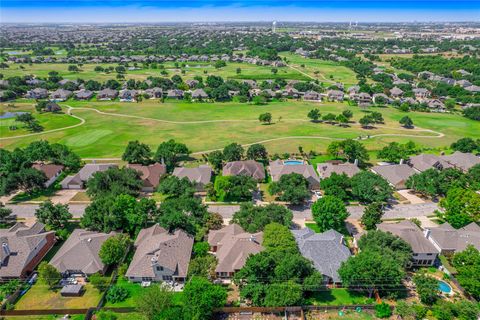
(50, 170)
(150, 174)
(249, 168)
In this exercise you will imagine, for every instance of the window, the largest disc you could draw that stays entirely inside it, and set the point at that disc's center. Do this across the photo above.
(159, 268)
(167, 278)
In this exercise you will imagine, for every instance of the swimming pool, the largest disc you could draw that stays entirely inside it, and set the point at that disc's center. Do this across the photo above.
(444, 287)
(292, 162)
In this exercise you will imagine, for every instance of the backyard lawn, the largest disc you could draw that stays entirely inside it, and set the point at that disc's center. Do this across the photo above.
(338, 297)
(40, 297)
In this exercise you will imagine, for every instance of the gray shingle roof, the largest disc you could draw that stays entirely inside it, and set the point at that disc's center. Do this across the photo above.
(424, 162)
(86, 173)
(462, 161)
(326, 169)
(395, 174)
(172, 251)
(449, 238)
(200, 175)
(411, 234)
(80, 252)
(21, 241)
(278, 169)
(326, 250)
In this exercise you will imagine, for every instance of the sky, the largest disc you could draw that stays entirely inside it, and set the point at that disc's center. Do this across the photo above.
(158, 11)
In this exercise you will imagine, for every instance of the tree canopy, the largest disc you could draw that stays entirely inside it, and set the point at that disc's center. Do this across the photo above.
(329, 212)
(254, 218)
(291, 188)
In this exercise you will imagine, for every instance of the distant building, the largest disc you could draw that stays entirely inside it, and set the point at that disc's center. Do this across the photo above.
(51, 171)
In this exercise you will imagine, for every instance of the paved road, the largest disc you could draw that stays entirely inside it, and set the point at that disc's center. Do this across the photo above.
(399, 211)
(28, 210)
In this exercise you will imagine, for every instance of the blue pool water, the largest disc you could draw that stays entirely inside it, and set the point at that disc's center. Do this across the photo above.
(292, 162)
(444, 287)
(8, 114)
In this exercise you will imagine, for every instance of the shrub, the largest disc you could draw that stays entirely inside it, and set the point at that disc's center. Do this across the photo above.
(383, 310)
(117, 294)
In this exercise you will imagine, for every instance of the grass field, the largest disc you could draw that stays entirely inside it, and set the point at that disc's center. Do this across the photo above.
(207, 126)
(328, 71)
(192, 69)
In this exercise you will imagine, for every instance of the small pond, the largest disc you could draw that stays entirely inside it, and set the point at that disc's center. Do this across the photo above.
(8, 114)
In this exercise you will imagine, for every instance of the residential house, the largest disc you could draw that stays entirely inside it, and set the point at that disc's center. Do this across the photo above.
(363, 99)
(154, 93)
(396, 174)
(278, 168)
(199, 94)
(60, 95)
(326, 250)
(380, 98)
(200, 176)
(23, 247)
(335, 95)
(424, 162)
(463, 83)
(326, 169)
(396, 92)
(84, 94)
(249, 168)
(128, 95)
(462, 161)
(436, 105)
(37, 93)
(421, 93)
(232, 246)
(449, 240)
(353, 91)
(312, 96)
(160, 255)
(78, 180)
(52, 107)
(80, 253)
(175, 94)
(473, 88)
(107, 94)
(51, 171)
(191, 83)
(150, 175)
(424, 253)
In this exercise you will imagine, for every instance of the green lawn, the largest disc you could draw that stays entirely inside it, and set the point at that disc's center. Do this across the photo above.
(106, 135)
(336, 297)
(40, 297)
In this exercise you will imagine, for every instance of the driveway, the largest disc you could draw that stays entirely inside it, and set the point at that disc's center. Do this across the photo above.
(25, 211)
(399, 211)
(63, 196)
(411, 197)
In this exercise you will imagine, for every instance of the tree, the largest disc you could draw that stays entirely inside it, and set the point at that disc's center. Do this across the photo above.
(427, 288)
(366, 121)
(174, 187)
(265, 118)
(117, 294)
(183, 213)
(278, 237)
(254, 218)
(4, 212)
(48, 275)
(314, 115)
(114, 181)
(169, 153)
(462, 206)
(29, 179)
(215, 158)
(387, 244)
(337, 185)
(347, 114)
(406, 122)
(474, 175)
(383, 310)
(368, 187)
(234, 188)
(368, 271)
(393, 152)
(137, 152)
(53, 216)
(114, 249)
(353, 150)
(201, 297)
(472, 113)
(342, 119)
(155, 302)
(291, 188)
(329, 212)
(283, 294)
(372, 215)
(233, 152)
(202, 266)
(257, 152)
(467, 145)
(433, 182)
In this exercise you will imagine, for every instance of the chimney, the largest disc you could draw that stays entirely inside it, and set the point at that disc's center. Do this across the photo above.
(426, 233)
(6, 249)
(402, 161)
(154, 260)
(341, 239)
(355, 162)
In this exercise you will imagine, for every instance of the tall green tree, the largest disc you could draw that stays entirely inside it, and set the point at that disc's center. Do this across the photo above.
(201, 297)
(48, 275)
(291, 188)
(169, 152)
(462, 206)
(254, 218)
(137, 152)
(114, 181)
(114, 249)
(368, 187)
(233, 152)
(329, 212)
(257, 152)
(372, 215)
(54, 216)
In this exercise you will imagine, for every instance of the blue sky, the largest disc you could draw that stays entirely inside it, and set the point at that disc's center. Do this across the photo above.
(240, 10)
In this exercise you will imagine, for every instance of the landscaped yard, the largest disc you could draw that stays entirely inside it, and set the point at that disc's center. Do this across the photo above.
(207, 126)
(337, 297)
(80, 196)
(40, 297)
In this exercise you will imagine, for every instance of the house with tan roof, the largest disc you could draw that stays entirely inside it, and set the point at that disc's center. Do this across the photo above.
(326, 169)
(278, 168)
(424, 162)
(200, 176)
(150, 175)
(160, 255)
(232, 246)
(396, 174)
(23, 247)
(424, 252)
(51, 171)
(249, 168)
(462, 161)
(80, 253)
(449, 240)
